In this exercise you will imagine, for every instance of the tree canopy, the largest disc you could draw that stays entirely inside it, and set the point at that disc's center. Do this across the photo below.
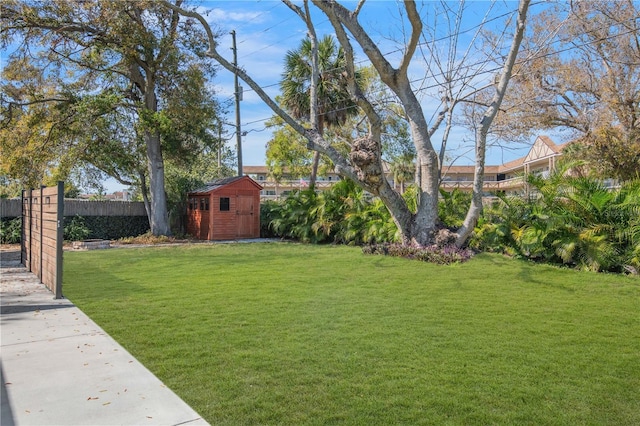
(115, 85)
(583, 76)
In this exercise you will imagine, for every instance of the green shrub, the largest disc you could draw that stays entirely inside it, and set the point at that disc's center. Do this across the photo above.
(76, 230)
(11, 231)
(268, 212)
(115, 227)
(453, 207)
(342, 214)
(112, 227)
(573, 221)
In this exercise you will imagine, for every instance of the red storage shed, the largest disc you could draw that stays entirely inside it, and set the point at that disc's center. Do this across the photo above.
(226, 209)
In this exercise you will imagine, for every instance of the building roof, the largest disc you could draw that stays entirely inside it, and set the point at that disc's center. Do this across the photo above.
(219, 183)
(254, 169)
(511, 165)
(547, 141)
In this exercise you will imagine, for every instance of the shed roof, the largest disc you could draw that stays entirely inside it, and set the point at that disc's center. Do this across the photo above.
(219, 183)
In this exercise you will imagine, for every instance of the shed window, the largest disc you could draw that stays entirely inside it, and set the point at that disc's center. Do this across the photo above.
(224, 204)
(204, 204)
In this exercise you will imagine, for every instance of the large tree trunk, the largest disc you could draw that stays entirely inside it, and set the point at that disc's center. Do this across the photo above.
(145, 195)
(426, 222)
(159, 218)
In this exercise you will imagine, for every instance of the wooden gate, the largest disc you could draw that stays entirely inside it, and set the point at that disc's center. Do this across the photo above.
(42, 235)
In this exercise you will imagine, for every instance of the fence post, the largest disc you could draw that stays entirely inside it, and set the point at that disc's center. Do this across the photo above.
(24, 209)
(59, 240)
(41, 230)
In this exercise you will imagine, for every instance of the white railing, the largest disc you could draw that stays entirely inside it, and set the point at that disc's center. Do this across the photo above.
(488, 185)
(292, 185)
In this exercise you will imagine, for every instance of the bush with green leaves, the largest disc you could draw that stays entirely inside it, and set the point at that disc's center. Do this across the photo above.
(343, 214)
(11, 231)
(575, 221)
(346, 214)
(453, 207)
(114, 227)
(76, 230)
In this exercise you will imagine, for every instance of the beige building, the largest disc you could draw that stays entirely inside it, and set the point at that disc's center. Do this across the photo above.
(508, 177)
(273, 189)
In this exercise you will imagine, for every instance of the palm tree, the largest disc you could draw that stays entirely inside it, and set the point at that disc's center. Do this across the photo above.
(403, 170)
(334, 103)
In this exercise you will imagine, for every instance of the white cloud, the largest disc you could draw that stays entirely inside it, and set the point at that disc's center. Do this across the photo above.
(217, 16)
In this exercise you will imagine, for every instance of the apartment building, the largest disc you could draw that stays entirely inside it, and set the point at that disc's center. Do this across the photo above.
(273, 189)
(507, 177)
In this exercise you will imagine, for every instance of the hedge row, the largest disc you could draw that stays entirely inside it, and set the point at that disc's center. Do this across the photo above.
(113, 227)
(100, 227)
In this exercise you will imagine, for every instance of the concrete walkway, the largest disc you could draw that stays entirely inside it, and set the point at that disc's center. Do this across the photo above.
(59, 368)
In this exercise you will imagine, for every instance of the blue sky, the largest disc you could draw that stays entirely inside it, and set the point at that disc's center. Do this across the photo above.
(267, 29)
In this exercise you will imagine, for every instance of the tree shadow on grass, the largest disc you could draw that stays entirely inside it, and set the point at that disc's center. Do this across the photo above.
(109, 287)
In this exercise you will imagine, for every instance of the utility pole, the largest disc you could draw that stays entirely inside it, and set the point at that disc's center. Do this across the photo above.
(238, 94)
(219, 147)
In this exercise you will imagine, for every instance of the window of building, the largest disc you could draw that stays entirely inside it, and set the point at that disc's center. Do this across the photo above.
(224, 204)
(204, 204)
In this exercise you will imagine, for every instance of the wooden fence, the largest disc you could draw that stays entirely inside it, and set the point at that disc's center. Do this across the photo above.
(42, 235)
(73, 207)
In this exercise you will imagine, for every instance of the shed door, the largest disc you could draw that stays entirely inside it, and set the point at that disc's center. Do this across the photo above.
(245, 212)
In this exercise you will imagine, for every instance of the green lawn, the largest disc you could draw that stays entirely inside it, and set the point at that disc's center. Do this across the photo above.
(294, 334)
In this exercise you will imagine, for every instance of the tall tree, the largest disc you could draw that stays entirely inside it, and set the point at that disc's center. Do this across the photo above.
(586, 81)
(402, 168)
(133, 60)
(363, 163)
(286, 153)
(334, 104)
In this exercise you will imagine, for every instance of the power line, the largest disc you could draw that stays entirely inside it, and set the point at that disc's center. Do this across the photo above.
(470, 66)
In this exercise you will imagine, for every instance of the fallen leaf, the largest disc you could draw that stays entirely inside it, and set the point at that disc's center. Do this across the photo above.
(92, 398)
